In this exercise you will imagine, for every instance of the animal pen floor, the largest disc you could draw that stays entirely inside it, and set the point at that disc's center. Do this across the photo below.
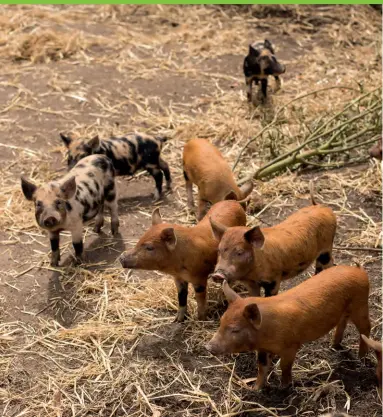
(98, 340)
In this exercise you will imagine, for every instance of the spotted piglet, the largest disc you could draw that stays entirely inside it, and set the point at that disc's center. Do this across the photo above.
(128, 155)
(73, 200)
(259, 64)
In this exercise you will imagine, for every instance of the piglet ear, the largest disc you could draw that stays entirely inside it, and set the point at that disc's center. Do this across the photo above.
(255, 237)
(28, 188)
(168, 236)
(94, 143)
(217, 228)
(252, 51)
(246, 189)
(252, 313)
(156, 217)
(231, 196)
(68, 188)
(268, 45)
(230, 294)
(66, 139)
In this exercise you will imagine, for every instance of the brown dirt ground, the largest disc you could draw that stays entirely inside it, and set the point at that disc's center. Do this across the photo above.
(124, 86)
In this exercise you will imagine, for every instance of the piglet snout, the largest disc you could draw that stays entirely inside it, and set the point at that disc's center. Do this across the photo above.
(50, 222)
(127, 260)
(210, 348)
(218, 276)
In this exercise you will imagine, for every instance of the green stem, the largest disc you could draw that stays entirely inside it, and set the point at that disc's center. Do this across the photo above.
(342, 127)
(312, 136)
(281, 165)
(281, 109)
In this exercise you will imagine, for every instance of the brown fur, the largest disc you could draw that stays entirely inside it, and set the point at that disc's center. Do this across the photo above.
(265, 257)
(188, 254)
(205, 166)
(377, 348)
(280, 325)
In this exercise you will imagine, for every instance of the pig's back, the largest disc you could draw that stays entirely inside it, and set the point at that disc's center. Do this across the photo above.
(320, 214)
(303, 233)
(202, 161)
(314, 307)
(94, 168)
(229, 213)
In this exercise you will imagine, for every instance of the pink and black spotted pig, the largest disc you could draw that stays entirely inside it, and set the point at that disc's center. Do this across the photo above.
(128, 155)
(75, 199)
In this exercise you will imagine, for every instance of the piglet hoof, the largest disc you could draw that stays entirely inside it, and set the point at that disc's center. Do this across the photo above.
(258, 387)
(79, 260)
(192, 210)
(180, 317)
(97, 229)
(55, 262)
(156, 196)
(286, 386)
(202, 316)
(55, 259)
(114, 228)
(169, 187)
(337, 346)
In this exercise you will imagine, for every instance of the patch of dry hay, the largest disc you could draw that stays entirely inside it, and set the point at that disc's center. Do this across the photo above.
(46, 46)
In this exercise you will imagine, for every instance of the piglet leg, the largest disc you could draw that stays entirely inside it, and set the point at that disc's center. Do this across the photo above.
(55, 248)
(264, 361)
(253, 288)
(264, 89)
(203, 207)
(200, 295)
(278, 83)
(189, 192)
(78, 245)
(182, 288)
(165, 169)
(249, 85)
(287, 360)
(99, 220)
(114, 221)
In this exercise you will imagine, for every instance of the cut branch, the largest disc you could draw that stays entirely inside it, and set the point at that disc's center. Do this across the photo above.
(329, 138)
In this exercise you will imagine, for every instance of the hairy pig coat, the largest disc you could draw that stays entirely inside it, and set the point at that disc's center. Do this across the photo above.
(187, 253)
(259, 63)
(264, 257)
(128, 155)
(280, 325)
(204, 165)
(77, 198)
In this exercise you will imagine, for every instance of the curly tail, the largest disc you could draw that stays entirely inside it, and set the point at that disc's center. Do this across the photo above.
(357, 264)
(313, 202)
(162, 139)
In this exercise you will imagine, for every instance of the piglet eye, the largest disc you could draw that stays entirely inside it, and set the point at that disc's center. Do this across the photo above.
(235, 330)
(240, 253)
(149, 248)
(39, 204)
